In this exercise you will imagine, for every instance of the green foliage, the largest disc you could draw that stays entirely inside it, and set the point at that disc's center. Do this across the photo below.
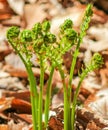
(13, 32)
(41, 42)
(86, 20)
(46, 26)
(49, 38)
(70, 34)
(26, 36)
(37, 28)
(67, 24)
(97, 61)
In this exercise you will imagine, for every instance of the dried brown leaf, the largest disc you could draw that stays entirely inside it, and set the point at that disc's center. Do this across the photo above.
(17, 6)
(55, 124)
(3, 127)
(20, 105)
(34, 13)
(5, 103)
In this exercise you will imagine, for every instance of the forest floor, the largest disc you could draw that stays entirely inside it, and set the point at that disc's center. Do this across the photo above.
(14, 86)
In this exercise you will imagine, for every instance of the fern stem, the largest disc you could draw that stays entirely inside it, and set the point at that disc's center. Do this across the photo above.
(71, 77)
(41, 93)
(48, 96)
(75, 101)
(33, 88)
(66, 103)
(34, 97)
